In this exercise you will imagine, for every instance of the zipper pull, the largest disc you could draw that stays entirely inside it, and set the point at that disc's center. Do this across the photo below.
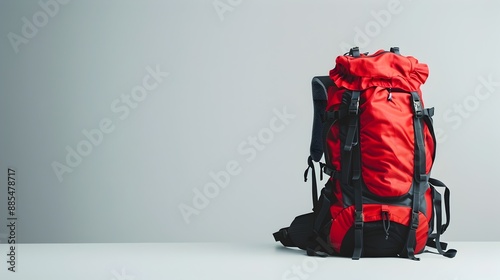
(389, 96)
(386, 220)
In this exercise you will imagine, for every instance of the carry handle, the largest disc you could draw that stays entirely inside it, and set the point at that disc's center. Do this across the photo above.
(395, 50)
(354, 52)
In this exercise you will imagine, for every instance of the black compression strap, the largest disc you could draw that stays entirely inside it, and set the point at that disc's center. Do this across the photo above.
(336, 115)
(351, 137)
(358, 203)
(353, 112)
(314, 184)
(330, 171)
(350, 165)
(419, 178)
(437, 183)
(436, 243)
(428, 113)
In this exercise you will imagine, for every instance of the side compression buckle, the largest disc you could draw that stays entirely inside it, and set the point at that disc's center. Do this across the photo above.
(330, 171)
(358, 235)
(358, 219)
(354, 52)
(414, 220)
(354, 106)
(417, 105)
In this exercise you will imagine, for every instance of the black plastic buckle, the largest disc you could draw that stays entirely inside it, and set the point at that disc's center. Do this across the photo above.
(329, 171)
(417, 105)
(330, 115)
(417, 108)
(356, 174)
(423, 178)
(354, 106)
(358, 219)
(354, 52)
(429, 112)
(414, 220)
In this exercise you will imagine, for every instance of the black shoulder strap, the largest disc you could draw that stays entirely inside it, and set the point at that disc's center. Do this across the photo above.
(305, 230)
(320, 85)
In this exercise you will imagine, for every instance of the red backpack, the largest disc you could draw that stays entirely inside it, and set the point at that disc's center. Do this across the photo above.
(379, 147)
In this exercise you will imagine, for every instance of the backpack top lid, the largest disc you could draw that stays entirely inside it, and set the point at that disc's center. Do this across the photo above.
(383, 69)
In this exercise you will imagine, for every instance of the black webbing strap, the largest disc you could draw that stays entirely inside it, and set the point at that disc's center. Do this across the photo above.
(314, 184)
(437, 183)
(329, 170)
(428, 113)
(420, 177)
(351, 170)
(351, 137)
(353, 111)
(320, 85)
(434, 240)
(358, 203)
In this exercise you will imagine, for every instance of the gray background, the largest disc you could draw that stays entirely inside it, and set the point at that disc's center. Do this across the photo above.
(228, 74)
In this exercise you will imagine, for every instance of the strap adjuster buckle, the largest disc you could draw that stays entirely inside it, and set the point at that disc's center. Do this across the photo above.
(354, 106)
(423, 178)
(358, 219)
(414, 220)
(417, 107)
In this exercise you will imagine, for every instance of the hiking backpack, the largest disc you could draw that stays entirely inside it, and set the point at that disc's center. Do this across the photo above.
(378, 143)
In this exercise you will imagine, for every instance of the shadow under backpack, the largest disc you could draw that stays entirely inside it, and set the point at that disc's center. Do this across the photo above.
(378, 143)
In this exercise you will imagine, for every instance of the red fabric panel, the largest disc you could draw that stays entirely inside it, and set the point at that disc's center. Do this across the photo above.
(387, 142)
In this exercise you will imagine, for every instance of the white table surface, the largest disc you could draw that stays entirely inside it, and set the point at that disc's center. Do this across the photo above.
(475, 260)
